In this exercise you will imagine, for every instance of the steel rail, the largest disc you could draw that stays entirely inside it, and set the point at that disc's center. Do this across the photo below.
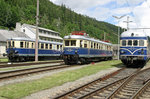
(21, 72)
(64, 95)
(27, 64)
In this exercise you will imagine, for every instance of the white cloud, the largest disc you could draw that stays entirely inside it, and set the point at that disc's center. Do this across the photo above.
(81, 6)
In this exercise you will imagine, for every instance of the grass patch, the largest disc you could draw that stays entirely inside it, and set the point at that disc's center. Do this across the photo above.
(19, 90)
(3, 59)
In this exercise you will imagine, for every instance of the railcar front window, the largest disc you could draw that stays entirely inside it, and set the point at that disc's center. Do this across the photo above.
(135, 43)
(13, 44)
(73, 43)
(9, 44)
(141, 42)
(66, 43)
(124, 43)
(130, 42)
(21, 44)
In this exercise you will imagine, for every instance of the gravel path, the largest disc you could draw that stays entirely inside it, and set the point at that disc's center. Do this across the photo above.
(51, 93)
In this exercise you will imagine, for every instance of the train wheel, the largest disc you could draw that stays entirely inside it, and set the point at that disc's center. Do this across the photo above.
(67, 63)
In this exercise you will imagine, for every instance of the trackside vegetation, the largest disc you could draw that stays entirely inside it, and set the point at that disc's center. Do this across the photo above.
(23, 89)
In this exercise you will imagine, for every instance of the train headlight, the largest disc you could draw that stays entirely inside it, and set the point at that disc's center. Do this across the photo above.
(16, 52)
(122, 52)
(76, 51)
(142, 51)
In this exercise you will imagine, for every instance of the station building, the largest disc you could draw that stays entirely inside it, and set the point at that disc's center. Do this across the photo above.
(44, 34)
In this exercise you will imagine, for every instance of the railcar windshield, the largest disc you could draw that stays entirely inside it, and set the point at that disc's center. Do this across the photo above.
(141, 42)
(135, 42)
(9, 44)
(123, 42)
(70, 42)
(132, 42)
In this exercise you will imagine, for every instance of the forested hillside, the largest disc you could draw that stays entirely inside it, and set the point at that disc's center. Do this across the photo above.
(58, 18)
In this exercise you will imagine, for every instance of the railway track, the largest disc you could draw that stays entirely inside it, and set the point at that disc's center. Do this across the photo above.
(100, 88)
(132, 86)
(143, 92)
(22, 72)
(4, 65)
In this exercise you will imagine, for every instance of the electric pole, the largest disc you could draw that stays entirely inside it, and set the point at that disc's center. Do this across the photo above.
(37, 32)
(118, 18)
(128, 21)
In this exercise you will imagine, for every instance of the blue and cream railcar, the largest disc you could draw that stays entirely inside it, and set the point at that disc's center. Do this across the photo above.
(23, 49)
(134, 48)
(79, 48)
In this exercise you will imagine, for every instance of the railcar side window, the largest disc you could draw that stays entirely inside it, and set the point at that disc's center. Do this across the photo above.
(123, 42)
(73, 43)
(141, 42)
(130, 42)
(21, 44)
(50, 46)
(94, 46)
(46, 46)
(66, 43)
(57, 47)
(91, 44)
(32, 45)
(85, 44)
(135, 42)
(42, 46)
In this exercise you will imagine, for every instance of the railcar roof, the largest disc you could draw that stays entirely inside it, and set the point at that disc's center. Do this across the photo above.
(32, 40)
(85, 38)
(134, 33)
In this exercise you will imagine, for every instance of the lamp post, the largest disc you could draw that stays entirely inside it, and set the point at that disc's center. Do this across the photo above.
(37, 32)
(118, 18)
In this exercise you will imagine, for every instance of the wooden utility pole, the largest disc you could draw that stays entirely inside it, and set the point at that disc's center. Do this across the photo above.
(37, 32)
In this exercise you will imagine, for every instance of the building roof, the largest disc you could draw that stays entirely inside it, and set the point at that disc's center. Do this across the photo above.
(6, 34)
(40, 28)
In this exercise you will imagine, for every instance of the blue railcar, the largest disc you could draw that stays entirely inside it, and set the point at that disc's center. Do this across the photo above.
(23, 49)
(134, 48)
(80, 48)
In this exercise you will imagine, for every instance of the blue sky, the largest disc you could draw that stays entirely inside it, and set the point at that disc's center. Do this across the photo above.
(103, 10)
